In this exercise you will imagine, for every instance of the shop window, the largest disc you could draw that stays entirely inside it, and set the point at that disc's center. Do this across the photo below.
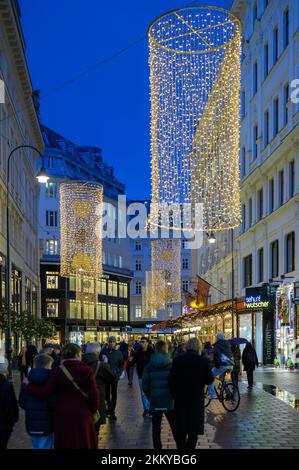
(123, 313)
(52, 280)
(290, 252)
(101, 311)
(123, 289)
(112, 288)
(274, 247)
(52, 308)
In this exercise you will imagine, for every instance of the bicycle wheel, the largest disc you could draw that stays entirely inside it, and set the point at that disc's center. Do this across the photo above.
(207, 397)
(230, 397)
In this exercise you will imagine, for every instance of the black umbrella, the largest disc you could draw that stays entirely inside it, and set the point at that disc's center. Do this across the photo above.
(238, 341)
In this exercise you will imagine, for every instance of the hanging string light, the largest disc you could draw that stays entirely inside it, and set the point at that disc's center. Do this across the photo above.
(195, 84)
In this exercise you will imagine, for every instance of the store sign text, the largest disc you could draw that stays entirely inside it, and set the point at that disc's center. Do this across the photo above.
(256, 302)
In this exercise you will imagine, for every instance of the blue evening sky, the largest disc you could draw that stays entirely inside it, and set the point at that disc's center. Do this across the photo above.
(108, 107)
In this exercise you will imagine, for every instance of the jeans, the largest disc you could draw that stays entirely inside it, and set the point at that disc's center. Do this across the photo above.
(215, 373)
(156, 426)
(145, 402)
(111, 396)
(42, 442)
(130, 374)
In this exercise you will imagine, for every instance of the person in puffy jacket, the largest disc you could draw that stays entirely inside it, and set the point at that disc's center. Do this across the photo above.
(223, 360)
(156, 388)
(39, 412)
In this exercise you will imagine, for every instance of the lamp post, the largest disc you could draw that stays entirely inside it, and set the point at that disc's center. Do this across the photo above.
(42, 178)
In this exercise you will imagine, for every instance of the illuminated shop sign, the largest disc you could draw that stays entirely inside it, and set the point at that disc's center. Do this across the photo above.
(256, 302)
(259, 297)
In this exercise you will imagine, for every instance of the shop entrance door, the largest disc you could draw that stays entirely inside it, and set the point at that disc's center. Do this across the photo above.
(259, 336)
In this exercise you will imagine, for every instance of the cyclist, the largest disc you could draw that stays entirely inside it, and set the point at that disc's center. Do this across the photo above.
(223, 360)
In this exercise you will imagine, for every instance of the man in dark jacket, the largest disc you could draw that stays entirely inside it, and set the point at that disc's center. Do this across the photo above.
(156, 388)
(115, 361)
(250, 360)
(142, 358)
(9, 412)
(189, 375)
(104, 375)
(223, 360)
(39, 412)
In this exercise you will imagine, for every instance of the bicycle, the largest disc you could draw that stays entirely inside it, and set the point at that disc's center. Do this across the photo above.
(227, 393)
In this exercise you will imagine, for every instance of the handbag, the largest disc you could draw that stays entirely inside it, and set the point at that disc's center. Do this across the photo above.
(96, 414)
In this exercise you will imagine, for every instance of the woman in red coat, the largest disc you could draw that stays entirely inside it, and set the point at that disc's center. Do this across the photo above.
(73, 422)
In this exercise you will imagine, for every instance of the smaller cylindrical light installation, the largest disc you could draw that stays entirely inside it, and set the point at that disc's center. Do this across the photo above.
(81, 206)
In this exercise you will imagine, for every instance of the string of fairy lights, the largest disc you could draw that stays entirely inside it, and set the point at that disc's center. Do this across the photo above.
(195, 83)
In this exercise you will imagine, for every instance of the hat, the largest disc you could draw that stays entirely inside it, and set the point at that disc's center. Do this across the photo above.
(220, 336)
(112, 339)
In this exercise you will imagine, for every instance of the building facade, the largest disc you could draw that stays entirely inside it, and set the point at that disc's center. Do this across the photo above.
(19, 125)
(81, 321)
(265, 247)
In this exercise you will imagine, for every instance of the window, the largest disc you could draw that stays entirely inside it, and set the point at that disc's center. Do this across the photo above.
(51, 218)
(50, 162)
(123, 313)
(275, 45)
(138, 287)
(260, 204)
(250, 212)
(286, 28)
(52, 280)
(184, 244)
(255, 141)
(275, 117)
(286, 92)
(243, 162)
(255, 78)
(137, 265)
(112, 288)
(123, 289)
(74, 309)
(243, 217)
(243, 104)
(112, 312)
(88, 310)
(51, 247)
(274, 258)
(291, 178)
(138, 311)
(102, 286)
(271, 195)
(101, 311)
(266, 128)
(260, 258)
(185, 263)
(52, 308)
(290, 252)
(281, 187)
(248, 271)
(185, 285)
(266, 60)
(51, 189)
(138, 245)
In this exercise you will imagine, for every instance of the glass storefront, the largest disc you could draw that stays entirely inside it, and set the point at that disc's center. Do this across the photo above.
(251, 328)
(285, 317)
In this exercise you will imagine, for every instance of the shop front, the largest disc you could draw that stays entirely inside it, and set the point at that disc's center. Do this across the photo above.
(285, 324)
(256, 321)
(96, 334)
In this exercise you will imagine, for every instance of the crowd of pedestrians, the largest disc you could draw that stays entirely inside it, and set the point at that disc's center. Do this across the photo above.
(68, 393)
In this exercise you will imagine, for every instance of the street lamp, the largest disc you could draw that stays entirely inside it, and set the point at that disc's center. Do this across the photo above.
(41, 178)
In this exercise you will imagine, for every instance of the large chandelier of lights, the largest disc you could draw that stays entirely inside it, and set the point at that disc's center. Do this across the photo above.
(81, 206)
(195, 85)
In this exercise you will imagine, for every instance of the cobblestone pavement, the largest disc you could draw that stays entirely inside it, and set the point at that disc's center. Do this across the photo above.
(262, 420)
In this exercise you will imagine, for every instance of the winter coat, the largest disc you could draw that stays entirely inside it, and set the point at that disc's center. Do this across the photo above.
(9, 412)
(142, 358)
(237, 361)
(115, 359)
(222, 347)
(73, 422)
(104, 376)
(155, 382)
(39, 416)
(189, 375)
(123, 347)
(249, 358)
(30, 353)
